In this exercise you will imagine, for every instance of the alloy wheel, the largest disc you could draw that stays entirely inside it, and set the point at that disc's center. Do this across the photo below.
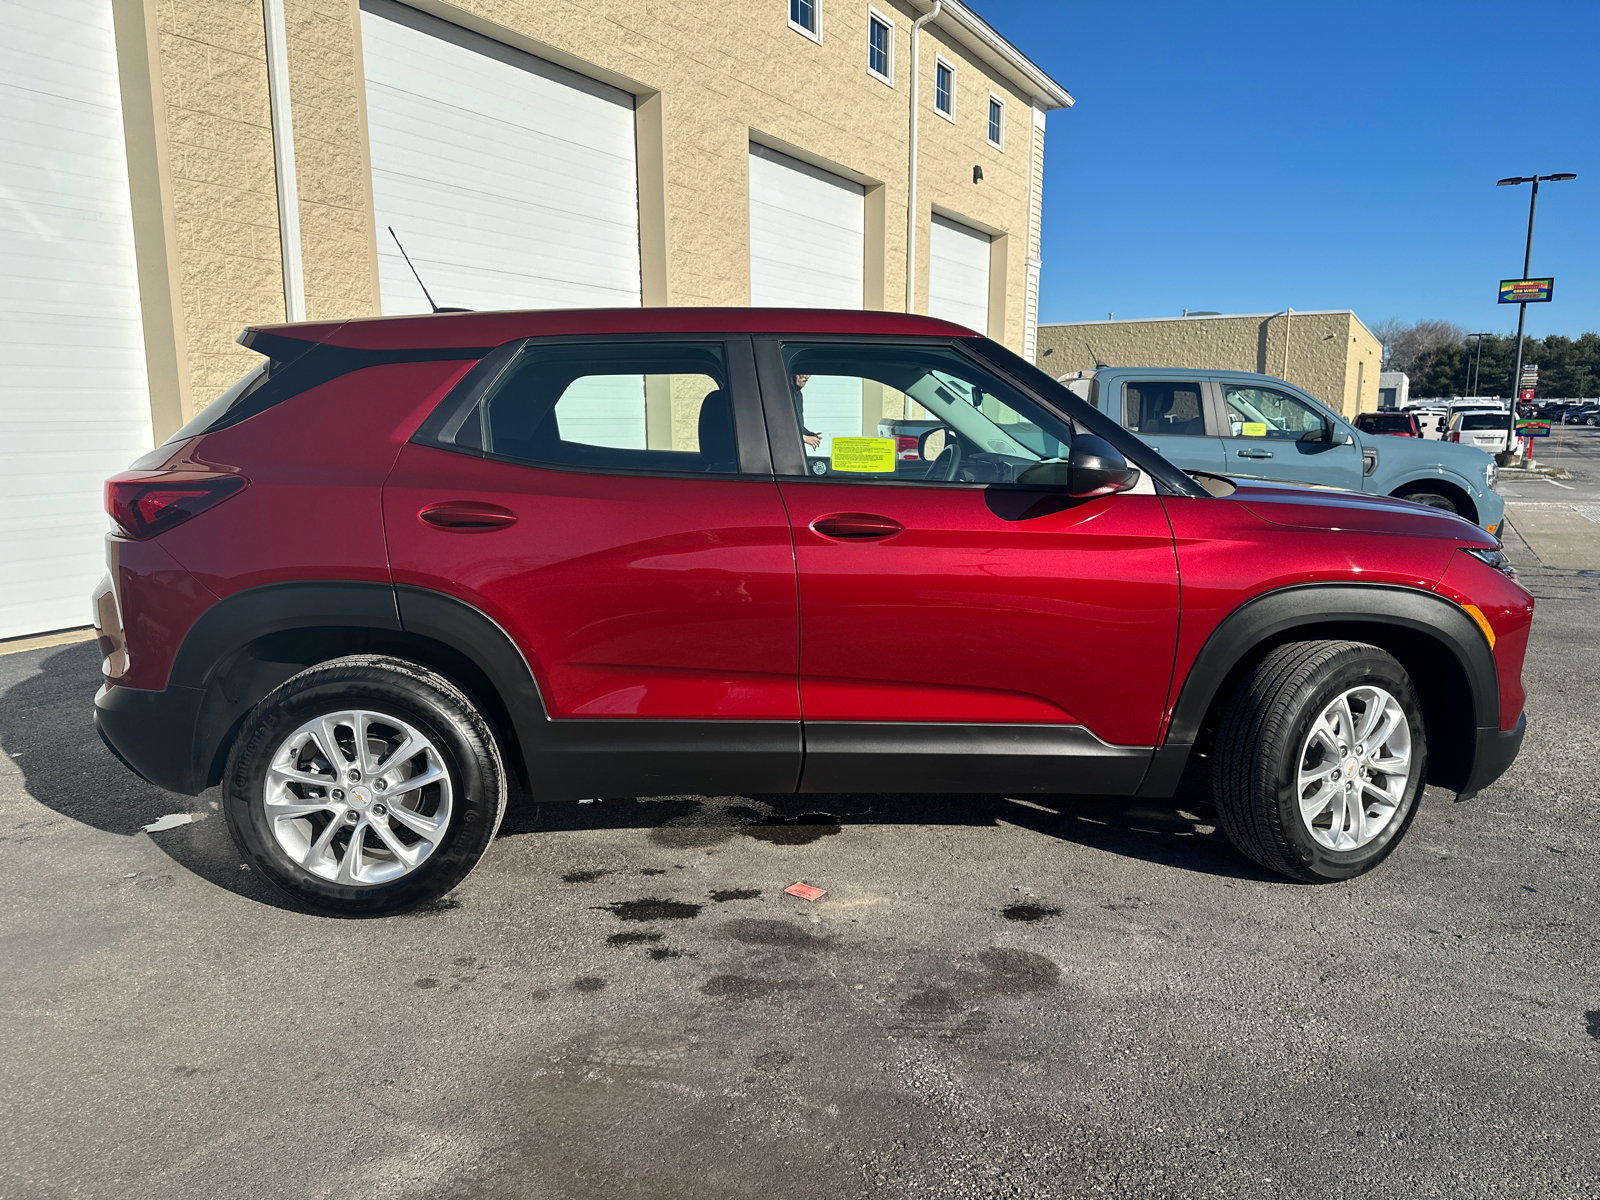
(1354, 767)
(358, 798)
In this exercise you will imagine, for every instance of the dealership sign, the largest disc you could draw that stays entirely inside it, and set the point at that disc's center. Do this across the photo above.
(1533, 428)
(1526, 291)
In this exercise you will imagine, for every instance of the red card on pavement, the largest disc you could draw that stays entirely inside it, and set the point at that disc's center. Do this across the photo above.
(806, 892)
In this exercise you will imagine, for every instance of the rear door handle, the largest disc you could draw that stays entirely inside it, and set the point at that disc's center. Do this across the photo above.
(856, 526)
(468, 516)
(1254, 453)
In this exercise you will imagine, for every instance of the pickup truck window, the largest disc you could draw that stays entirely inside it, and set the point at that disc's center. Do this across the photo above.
(1164, 409)
(1268, 413)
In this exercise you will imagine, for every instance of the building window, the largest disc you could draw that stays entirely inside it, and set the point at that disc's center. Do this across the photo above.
(944, 89)
(880, 46)
(805, 15)
(997, 122)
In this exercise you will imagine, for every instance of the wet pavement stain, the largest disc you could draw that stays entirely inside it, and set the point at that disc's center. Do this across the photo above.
(630, 938)
(745, 987)
(582, 876)
(1593, 1017)
(794, 831)
(727, 894)
(652, 871)
(930, 1004)
(1029, 912)
(1017, 972)
(426, 983)
(778, 935)
(661, 952)
(772, 1060)
(588, 983)
(653, 908)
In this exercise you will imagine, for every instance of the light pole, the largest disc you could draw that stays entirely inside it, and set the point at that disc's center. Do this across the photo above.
(1527, 265)
(1477, 360)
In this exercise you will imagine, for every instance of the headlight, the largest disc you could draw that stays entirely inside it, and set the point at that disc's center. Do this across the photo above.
(1494, 558)
(1490, 474)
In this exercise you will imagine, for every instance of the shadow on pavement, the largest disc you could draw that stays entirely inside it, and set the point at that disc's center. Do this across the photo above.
(47, 729)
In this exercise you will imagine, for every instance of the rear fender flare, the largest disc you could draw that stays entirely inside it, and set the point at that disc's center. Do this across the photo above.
(209, 658)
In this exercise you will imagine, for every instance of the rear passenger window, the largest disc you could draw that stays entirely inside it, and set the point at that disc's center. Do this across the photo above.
(627, 407)
(1164, 409)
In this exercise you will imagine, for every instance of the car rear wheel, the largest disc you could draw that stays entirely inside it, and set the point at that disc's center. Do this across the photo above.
(1320, 760)
(364, 786)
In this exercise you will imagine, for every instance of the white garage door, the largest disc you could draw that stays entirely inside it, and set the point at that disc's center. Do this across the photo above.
(512, 182)
(958, 274)
(74, 403)
(808, 250)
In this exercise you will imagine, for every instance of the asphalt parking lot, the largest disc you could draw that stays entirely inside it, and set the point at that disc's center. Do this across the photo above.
(1067, 997)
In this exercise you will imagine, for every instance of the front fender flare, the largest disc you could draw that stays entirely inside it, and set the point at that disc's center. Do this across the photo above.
(1267, 618)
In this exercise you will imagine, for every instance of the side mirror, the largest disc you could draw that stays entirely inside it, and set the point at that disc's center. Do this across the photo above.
(1093, 468)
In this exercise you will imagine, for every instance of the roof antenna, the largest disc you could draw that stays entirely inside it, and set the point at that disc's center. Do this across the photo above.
(418, 278)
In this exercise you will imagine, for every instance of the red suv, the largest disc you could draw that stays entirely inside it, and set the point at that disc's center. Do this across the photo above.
(408, 562)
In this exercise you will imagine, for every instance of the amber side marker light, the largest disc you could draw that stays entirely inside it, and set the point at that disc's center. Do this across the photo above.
(1476, 614)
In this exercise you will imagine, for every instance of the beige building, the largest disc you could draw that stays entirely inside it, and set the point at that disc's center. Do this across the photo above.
(1330, 354)
(660, 123)
(181, 169)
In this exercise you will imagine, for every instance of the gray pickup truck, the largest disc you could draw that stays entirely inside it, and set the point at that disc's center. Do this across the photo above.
(1254, 426)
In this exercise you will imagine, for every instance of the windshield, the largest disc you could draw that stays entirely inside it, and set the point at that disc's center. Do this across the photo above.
(1486, 421)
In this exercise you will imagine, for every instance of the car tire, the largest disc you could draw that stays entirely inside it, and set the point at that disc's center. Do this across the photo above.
(1432, 500)
(1275, 734)
(424, 794)
(1591, 421)
(1505, 458)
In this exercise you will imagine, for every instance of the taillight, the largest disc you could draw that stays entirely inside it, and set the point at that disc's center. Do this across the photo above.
(1456, 436)
(905, 449)
(143, 506)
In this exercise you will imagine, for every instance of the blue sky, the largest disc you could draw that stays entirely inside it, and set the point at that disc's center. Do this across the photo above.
(1244, 157)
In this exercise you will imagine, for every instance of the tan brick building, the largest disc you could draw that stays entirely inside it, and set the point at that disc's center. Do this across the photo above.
(179, 169)
(1330, 354)
(701, 82)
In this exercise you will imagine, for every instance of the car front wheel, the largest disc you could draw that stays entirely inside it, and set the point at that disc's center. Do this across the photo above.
(1320, 760)
(1432, 500)
(364, 786)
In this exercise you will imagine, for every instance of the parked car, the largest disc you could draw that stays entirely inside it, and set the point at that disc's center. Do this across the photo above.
(1491, 432)
(1396, 424)
(1584, 414)
(410, 564)
(1245, 425)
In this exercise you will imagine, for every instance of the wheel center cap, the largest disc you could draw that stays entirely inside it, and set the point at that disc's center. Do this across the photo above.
(361, 796)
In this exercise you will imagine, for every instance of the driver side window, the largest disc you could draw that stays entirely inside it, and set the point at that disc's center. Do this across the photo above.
(1268, 413)
(908, 413)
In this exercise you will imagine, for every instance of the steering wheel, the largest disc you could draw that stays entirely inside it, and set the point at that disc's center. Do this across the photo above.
(948, 465)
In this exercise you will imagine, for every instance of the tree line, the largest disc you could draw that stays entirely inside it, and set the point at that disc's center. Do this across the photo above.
(1440, 359)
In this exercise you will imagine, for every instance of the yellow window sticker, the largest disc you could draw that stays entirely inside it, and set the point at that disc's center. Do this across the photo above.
(1254, 429)
(863, 454)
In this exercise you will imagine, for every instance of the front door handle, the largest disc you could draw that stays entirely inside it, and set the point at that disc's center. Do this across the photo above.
(853, 527)
(467, 516)
(1253, 453)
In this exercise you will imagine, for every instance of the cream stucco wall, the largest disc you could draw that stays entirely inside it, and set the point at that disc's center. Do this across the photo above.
(711, 76)
(1332, 355)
